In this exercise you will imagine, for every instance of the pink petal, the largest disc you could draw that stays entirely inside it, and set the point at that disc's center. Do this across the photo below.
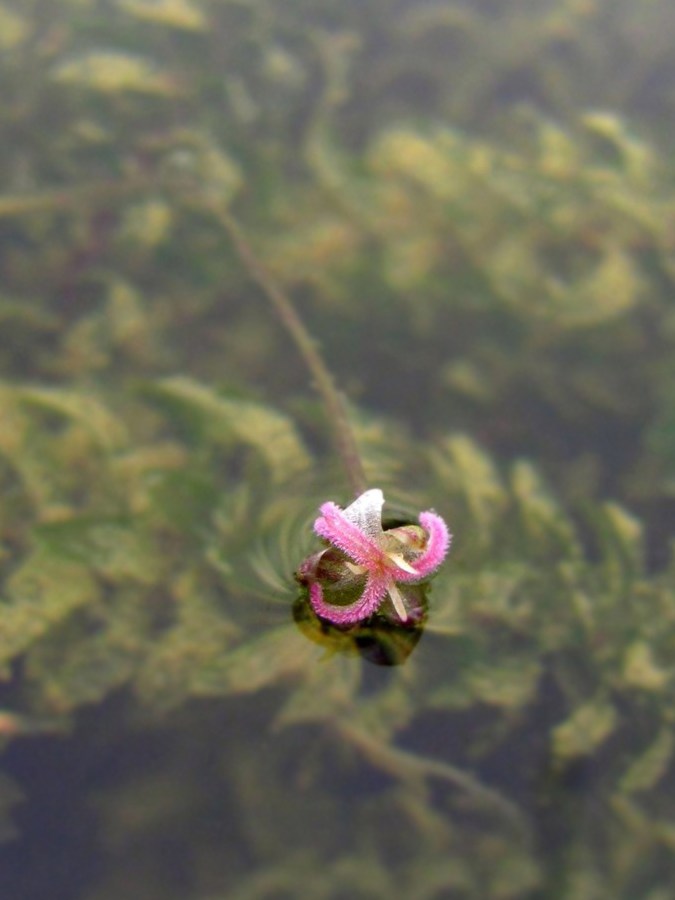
(438, 542)
(339, 531)
(437, 546)
(363, 608)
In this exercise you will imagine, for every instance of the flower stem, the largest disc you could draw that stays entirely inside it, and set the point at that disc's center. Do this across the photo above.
(343, 434)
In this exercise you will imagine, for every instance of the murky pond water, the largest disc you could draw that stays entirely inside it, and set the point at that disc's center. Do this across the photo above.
(471, 206)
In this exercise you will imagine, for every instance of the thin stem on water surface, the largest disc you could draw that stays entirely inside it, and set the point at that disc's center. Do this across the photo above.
(343, 433)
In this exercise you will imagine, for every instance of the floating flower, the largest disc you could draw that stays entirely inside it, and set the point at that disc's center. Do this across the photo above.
(377, 565)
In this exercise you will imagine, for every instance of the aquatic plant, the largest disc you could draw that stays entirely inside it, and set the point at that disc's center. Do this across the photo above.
(379, 563)
(493, 291)
(366, 554)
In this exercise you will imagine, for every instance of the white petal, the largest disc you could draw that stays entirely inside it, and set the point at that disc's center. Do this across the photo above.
(366, 512)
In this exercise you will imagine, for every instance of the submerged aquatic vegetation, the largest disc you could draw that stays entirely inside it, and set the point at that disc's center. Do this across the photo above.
(161, 456)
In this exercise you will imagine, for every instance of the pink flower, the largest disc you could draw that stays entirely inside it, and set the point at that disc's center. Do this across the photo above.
(363, 557)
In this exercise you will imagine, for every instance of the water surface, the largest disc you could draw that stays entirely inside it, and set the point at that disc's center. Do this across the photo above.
(471, 205)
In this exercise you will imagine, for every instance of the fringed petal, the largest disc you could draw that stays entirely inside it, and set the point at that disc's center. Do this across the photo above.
(333, 526)
(368, 603)
(433, 554)
(437, 544)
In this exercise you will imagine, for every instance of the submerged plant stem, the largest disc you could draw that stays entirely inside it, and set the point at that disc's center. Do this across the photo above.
(410, 766)
(343, 433)
(70, 198)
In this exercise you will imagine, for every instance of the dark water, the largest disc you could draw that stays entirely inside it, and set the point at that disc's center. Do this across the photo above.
(471, 206)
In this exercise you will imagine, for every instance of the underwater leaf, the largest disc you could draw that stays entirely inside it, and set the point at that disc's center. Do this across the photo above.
(117, 550)
(511, 872)
(409, 260)
(214, 173)
(86, 346)
(467, 378)
(648, 769)
(559, 154)
(14, 424)
(17, 316)
(640, 669)
(85, 658)
(327, 691)
(587, 728)
(225, 420)
(425, 162)
(114, 72)
(267, 661)
(307, 254)
(107, 430)
(147, 224)
(635, 155)
(201, 637)
(543, 522)
(126, 319)
(14, 29)
(611, 290)
(219, 174)
(156, 479)
(386, 713)
(509, 684)
(181, 501)
(468, 471)
(41, 592)
(181, 14)
(622, 536)
(514, 271)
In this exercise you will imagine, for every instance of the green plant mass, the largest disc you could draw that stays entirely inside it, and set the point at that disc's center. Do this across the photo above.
(472, 207)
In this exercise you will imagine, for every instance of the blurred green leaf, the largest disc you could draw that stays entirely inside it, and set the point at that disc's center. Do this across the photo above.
(41, 592)
(221, 419)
